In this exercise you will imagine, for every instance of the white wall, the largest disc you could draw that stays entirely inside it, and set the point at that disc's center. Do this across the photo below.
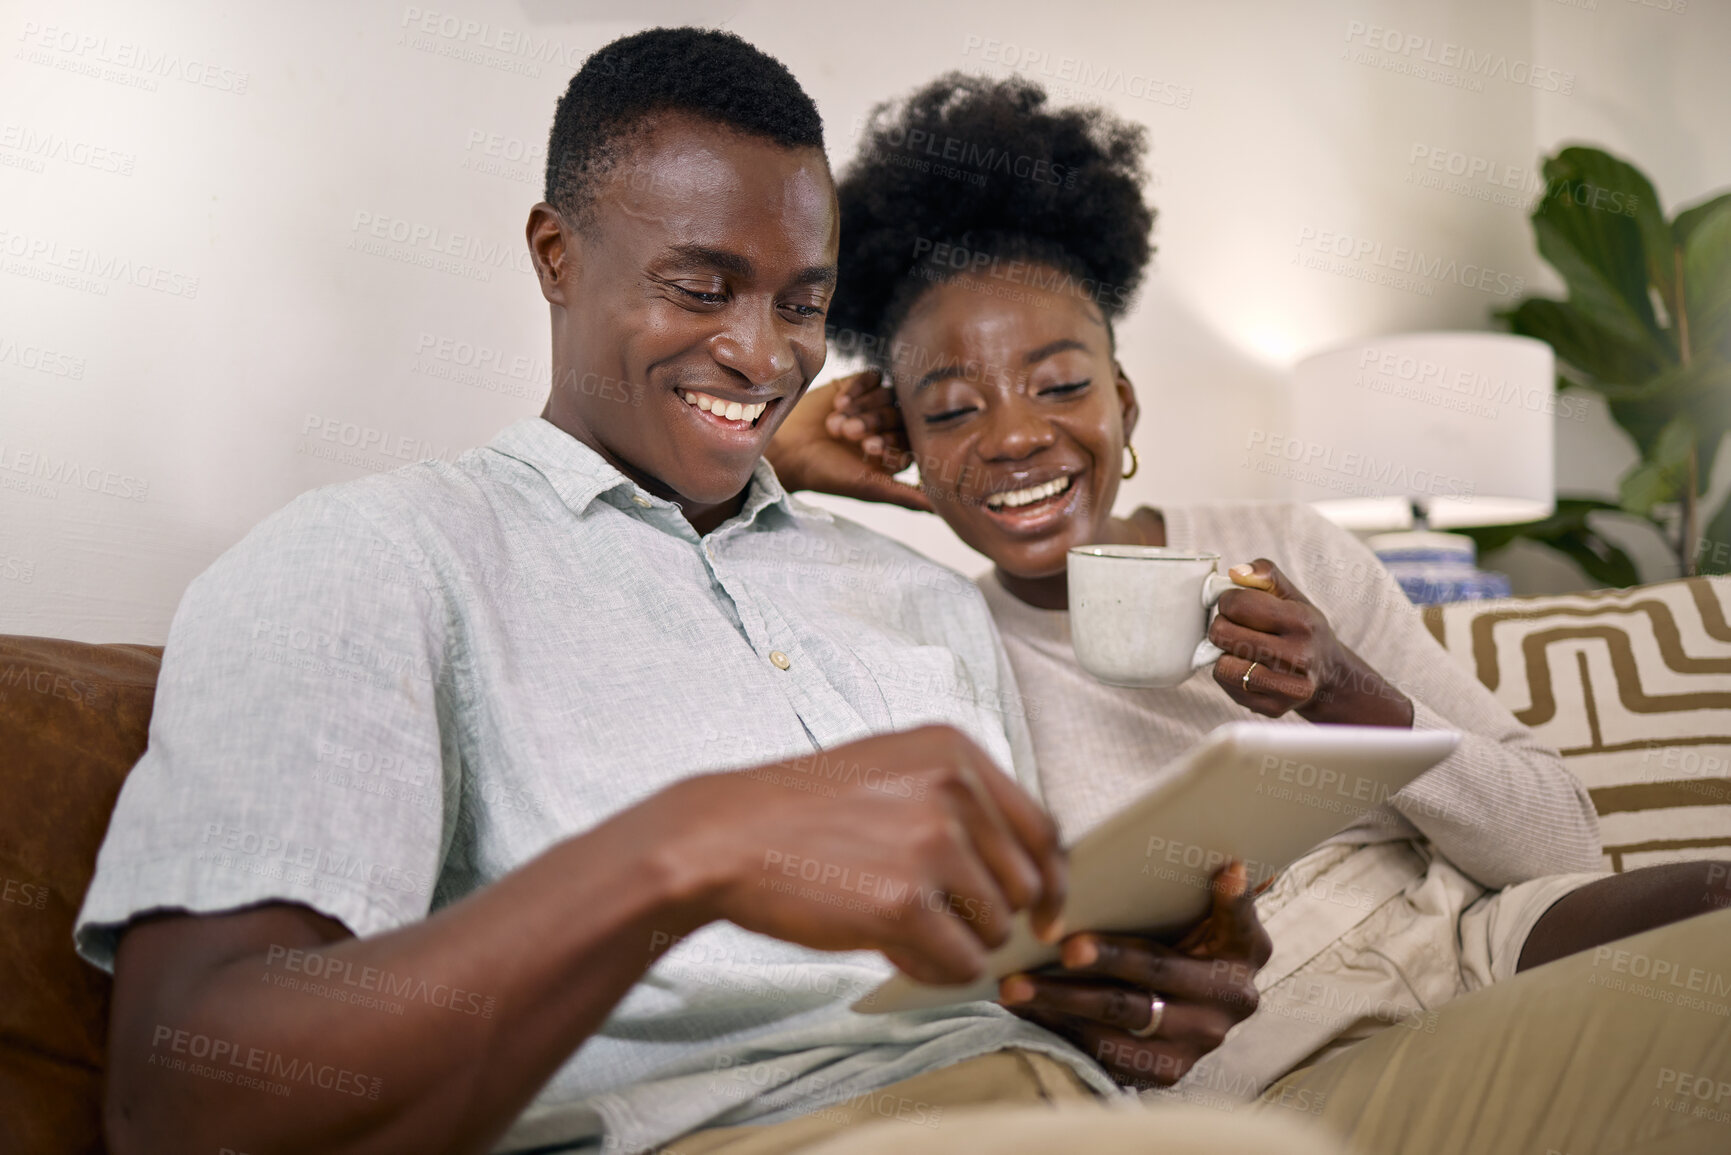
(186, 197)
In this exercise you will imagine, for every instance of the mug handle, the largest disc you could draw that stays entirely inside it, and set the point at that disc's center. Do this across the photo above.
(1212, 587)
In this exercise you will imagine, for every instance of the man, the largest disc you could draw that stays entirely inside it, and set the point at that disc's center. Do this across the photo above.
(425, 796)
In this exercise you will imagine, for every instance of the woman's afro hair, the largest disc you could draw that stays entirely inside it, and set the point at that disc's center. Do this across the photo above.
(984, 169)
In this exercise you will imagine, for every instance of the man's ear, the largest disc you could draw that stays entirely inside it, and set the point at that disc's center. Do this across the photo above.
(551, 248)
(1126, 400)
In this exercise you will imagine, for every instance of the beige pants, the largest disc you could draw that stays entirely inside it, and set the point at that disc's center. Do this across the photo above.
(1613, 1051)
(1365, 938)
(1620, 1049)
(1002, 1104)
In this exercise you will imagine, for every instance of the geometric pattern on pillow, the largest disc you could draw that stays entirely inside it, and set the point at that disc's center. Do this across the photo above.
(1633, 687)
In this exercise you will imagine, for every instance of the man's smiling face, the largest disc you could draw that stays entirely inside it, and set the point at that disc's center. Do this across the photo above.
(698, 282)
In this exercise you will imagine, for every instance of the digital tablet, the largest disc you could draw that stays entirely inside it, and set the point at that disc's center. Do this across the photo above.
(1263, 792)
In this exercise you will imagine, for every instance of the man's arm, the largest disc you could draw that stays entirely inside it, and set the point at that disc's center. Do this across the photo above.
(554, 946)
(202, 1028)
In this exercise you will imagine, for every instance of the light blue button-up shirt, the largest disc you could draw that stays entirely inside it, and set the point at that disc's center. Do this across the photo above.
(397, 690)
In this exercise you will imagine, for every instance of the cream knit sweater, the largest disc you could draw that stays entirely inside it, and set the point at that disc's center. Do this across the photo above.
(1502, 808)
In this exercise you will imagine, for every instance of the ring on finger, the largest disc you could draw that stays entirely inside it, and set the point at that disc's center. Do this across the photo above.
(1156, 1013)
(1245, 681)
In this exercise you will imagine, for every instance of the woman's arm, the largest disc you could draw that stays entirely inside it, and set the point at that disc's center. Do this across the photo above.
(846, 438)
(1502, 807)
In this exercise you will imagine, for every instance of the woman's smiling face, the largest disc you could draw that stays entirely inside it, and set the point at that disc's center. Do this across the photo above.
(1017, 415)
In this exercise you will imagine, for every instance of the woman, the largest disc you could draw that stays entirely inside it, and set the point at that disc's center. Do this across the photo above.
(986, 308)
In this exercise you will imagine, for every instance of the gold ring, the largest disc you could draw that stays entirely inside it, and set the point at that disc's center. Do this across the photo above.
(1156, 1012)
(1245, 681)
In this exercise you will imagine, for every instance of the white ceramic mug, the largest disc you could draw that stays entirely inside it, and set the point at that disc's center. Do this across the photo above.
(1139, 614)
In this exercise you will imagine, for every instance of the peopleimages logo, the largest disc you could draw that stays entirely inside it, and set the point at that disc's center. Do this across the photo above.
(1077, 73)
(1360, 474)
(90, 267)
(1466, 390)
(1368, 259)
(44, 465)
(367, 439)
(137, 65)
(1481, 178)
(40, 359)
(481, 42)
(1450, 62)
(260, 1068)
(44, 146)
(1037, 275)
(424, 244)
(985, 158)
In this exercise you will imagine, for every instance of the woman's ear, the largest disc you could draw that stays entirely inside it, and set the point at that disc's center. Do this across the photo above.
(1126, 400)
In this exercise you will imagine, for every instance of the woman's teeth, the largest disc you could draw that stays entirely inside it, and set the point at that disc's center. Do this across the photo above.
(1028, 496)
(731, 410)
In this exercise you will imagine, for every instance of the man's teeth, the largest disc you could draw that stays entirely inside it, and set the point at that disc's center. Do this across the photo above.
(732, 410)
(1028, 496)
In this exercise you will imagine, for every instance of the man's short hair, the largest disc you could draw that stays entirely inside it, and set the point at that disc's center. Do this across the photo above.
(703, 72)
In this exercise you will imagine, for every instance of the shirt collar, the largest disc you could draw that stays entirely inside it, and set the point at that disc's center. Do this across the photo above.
(579, 475)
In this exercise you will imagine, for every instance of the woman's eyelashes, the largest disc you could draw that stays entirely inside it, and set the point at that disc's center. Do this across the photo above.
(948, 415)
(1055, 392)
(1066, 390)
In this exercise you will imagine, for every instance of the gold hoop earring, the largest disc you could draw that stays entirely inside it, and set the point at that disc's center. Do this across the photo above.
(1135, 462)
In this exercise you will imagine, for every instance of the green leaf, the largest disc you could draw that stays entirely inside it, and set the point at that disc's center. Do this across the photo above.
(1567, 531)
(1595, 353)
(1645, 486)
(1599, 225)
(1598, 558)
(1602, 294)
(1689, 218)
(1707, 276)
(1713, 551)
(1663, 475)
(1702, 391)
(1619, 187)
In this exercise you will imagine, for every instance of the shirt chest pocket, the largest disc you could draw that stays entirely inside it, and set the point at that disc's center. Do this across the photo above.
(924, 684)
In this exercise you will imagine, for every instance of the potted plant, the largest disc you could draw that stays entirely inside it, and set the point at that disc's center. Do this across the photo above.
(1646, 325)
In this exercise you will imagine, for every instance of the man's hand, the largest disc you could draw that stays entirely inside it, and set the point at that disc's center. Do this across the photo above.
(1298, 662)
(846, 438)
(914, 844)
(1105, 988)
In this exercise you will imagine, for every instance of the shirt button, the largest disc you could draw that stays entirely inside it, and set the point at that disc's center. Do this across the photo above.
(780, 659)
(640, 500)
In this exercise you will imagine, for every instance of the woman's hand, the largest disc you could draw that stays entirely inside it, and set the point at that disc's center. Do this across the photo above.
(1105, 991)
(846, 438)
(1281, 654)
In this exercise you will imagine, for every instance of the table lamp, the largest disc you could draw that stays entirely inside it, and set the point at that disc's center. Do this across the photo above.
(1421, 432)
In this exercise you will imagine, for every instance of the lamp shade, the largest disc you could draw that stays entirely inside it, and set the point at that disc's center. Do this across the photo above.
(1460, 424)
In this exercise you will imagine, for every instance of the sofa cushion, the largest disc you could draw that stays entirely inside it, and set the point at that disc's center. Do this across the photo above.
(73, 720)
(1634, 688)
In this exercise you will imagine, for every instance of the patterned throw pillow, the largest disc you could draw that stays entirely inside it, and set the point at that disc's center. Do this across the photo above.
(1634, 688)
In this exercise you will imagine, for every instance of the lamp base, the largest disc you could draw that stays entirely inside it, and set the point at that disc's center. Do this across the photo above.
(1434, 568)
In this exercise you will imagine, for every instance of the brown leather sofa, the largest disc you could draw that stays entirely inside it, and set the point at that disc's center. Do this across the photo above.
(73, 720)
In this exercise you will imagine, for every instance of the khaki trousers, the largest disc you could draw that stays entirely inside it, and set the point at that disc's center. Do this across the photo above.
(1007, 1103)
(1624, 1048)
(1613, 1051)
